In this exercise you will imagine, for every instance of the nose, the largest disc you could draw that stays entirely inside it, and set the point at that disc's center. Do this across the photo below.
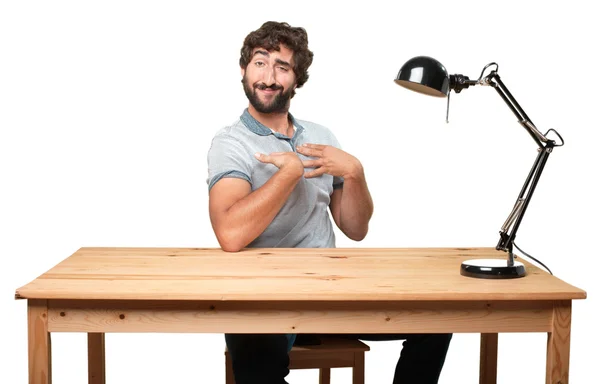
(269, 76)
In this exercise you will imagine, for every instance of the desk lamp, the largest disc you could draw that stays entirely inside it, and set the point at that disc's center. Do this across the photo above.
(428, 76)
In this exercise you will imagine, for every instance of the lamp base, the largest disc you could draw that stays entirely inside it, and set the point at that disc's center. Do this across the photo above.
(492, 269)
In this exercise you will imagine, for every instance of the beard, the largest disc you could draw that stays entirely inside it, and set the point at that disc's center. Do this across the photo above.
(279, 104)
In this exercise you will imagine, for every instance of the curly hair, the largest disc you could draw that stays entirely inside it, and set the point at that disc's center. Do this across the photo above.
(270, 35)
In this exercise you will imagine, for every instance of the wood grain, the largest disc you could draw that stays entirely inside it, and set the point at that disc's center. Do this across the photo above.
(309, 274)
(40, 360)
(559, 341)
(488, 358)
(96, 359)
(304, 317)
(357, 290)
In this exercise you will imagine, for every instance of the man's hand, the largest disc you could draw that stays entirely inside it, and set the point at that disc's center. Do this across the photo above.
(351, 206)
(285, 161)
(330, 160)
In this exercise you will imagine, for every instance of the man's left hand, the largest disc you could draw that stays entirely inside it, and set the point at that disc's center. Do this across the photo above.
(330, 160)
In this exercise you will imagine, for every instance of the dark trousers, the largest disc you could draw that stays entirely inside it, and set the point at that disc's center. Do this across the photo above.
(263, 359)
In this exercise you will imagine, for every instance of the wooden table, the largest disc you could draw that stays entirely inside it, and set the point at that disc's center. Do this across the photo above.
(358, 290)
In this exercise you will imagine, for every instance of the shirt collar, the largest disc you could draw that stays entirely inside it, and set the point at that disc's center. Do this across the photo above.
(257, 127)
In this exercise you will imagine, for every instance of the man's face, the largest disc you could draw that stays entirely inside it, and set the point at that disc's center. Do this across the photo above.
(269, 80)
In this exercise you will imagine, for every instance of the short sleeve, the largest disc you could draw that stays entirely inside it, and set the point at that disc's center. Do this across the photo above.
(227, 157)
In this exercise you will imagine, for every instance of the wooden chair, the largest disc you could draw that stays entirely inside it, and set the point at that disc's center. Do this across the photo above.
(333, 352)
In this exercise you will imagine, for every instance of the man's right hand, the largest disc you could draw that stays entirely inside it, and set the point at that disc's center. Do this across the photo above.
(285, 161)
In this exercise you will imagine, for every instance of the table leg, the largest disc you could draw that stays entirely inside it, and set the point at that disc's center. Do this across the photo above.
(488, 358)
(229, 377)
(324, 375)
(40, 357)
(96, 359)
(358, 371)
(559, 340)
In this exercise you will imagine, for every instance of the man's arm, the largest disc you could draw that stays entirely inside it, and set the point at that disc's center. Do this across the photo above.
(239, 215)
(352, 205)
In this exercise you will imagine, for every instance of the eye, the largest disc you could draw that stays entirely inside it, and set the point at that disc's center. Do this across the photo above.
(259, 63)
(284, 69)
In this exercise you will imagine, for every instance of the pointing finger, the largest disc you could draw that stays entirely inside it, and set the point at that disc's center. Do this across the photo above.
(314, 173)
(263, 158)
(311, 163)
(313, 146)
(306, 151)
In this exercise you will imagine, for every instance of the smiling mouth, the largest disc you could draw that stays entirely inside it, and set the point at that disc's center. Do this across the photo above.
(268, 92)
(272, 88)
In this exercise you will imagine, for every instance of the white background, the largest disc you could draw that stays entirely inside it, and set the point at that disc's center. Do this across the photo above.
(107, 110)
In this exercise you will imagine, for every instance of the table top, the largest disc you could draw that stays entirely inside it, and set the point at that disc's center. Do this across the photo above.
(282, 274)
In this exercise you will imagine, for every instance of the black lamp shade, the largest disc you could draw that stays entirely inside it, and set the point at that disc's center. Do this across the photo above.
(424, 74)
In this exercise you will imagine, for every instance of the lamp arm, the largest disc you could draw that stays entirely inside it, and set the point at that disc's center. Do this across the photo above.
(508, 231)
(493, 80)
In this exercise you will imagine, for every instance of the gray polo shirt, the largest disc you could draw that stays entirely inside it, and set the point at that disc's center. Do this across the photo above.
(303, 221)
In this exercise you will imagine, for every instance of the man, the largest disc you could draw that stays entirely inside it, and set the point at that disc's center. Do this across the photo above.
(272, 178)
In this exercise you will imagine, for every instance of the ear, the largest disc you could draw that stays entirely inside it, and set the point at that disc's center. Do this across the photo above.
(242, 71)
